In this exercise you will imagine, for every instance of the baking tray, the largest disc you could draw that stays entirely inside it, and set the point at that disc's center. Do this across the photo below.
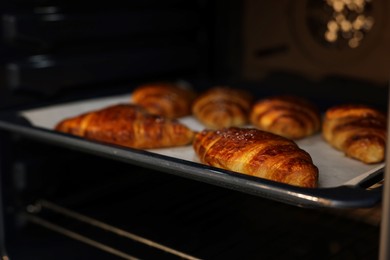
(343, 182)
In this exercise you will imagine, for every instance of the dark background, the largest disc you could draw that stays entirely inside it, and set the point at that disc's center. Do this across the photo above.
(55, 51)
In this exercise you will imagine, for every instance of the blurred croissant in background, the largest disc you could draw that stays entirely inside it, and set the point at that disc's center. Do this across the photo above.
(222, 106)
(171, 100)
(289, 116)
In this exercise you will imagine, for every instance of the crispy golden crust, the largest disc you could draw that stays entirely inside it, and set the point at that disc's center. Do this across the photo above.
(165, 99)
(257, 153)
(222, 106)
(357, 130)
(127, 125)
(288, 116)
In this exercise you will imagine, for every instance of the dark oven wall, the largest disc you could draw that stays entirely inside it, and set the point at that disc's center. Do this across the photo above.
(52, 49)
(327, 49)
(55, 50)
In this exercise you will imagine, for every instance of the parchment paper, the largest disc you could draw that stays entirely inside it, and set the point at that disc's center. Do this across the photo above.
(335, 168)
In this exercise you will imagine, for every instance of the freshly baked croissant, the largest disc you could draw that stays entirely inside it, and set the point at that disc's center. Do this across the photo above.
(165, 99)
(127, 125)
(257, 153)
(222, 106)
(357, 130)
(289, 116)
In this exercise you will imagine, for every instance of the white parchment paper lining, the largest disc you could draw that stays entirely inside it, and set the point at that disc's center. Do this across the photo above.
(334, 168)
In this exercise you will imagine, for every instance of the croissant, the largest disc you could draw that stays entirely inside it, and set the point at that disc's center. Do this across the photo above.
(166, 99)
(222, 106)
(289, 116)
(258, 153)
(127, 125)
(357, 130)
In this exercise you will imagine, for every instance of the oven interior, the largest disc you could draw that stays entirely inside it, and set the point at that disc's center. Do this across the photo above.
(63, 202)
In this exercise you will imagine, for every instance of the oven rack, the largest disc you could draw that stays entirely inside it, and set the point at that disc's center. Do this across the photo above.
(35, 211)
(332, 238)
(195, 221)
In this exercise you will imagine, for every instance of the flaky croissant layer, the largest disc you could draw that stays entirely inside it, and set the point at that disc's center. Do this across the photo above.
(289, 116)
(222, 106)
(165, 99)
(127, 125)
(357, 130)
(257, 153)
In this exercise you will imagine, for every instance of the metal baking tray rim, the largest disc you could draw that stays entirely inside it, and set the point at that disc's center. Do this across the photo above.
(343, 196)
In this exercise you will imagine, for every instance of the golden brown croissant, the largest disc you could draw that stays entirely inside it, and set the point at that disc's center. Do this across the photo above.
(357, 130)
(165, 99)
(127, 125)
(257, 153)
(222, 106)
(289, 116)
